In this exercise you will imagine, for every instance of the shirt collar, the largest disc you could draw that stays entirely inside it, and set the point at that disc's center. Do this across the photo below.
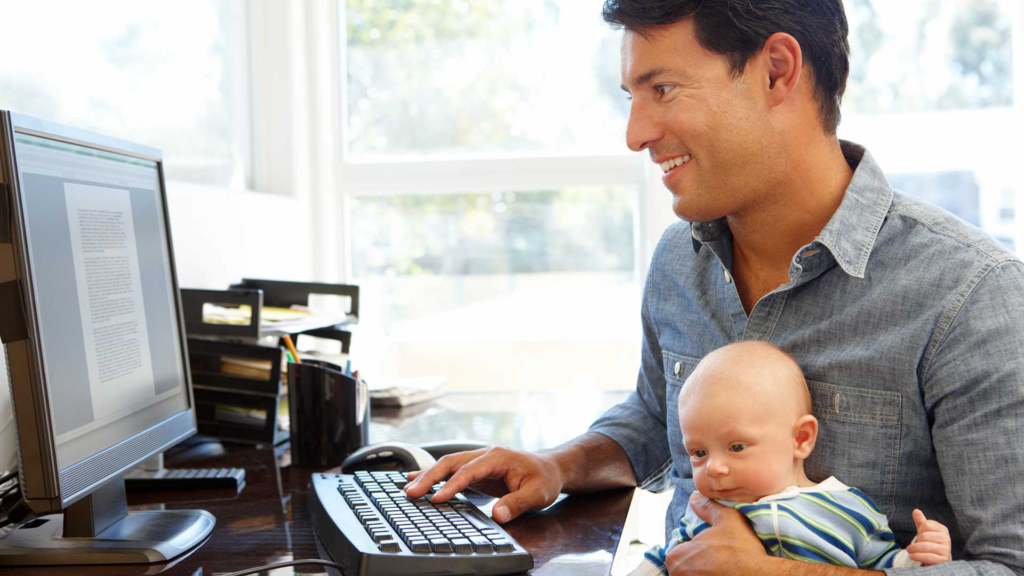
(851, 232)
(829, 485)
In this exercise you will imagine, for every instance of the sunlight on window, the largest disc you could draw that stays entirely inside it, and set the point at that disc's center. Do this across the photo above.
(148, 72)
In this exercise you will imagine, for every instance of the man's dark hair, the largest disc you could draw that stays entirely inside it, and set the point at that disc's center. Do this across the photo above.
(738, 29)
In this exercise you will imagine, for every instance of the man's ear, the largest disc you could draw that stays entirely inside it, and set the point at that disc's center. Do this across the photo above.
(783, 63)
(805, 435)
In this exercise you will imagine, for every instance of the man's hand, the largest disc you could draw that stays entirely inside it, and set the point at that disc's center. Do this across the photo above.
(527, 481)
(729, 546)
(932, 545)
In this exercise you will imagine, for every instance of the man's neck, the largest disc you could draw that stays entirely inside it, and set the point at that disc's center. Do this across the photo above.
(766, 236)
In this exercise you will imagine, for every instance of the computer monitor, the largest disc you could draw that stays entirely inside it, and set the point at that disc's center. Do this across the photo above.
(91, 323)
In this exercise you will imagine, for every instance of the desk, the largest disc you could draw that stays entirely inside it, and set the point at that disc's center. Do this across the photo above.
(269, 520)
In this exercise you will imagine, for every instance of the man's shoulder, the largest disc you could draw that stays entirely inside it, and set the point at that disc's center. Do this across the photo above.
(923, 228)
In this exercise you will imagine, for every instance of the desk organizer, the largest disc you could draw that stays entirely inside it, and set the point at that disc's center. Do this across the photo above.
(237, 370)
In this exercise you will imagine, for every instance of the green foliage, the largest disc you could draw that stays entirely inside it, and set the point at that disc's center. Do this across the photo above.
(896, 69)
(572, 230)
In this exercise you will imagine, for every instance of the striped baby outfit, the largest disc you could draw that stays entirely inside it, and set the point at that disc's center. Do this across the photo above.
(829, 523)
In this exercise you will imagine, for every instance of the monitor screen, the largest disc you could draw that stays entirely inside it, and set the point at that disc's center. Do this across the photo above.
(105, 303)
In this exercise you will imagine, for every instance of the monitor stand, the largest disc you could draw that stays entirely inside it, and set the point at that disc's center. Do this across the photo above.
(99, 529)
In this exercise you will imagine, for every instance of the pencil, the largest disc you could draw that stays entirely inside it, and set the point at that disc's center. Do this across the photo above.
(291, 348)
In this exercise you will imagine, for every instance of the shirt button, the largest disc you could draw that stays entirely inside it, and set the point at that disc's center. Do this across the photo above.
(678, 368)
(728, 277)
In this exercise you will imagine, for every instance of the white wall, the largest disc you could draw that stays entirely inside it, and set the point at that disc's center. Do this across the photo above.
(221, 236)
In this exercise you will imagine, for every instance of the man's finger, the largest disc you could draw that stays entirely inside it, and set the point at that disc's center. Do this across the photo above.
(708, 510)
(487, 465)
(512, 505)
(445, 466)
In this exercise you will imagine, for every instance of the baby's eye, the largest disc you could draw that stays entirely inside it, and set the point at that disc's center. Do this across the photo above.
(699, 453)
(737, 447)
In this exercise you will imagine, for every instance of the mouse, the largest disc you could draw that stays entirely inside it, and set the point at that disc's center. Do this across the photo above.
(388, 456)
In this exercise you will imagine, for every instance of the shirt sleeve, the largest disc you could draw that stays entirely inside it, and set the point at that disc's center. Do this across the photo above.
(638, 424)
(972, 380)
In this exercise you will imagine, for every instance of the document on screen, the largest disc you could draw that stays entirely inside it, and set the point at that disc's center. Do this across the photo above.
(110, 296)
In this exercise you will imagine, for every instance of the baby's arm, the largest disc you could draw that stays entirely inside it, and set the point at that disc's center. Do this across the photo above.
(654, 559)
(932, 545)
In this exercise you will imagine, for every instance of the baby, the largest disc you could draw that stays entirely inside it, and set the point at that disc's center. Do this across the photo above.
(745, 415)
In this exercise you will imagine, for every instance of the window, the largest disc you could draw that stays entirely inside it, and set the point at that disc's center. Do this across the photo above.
(493, 211)
(497, 222)
(478, 77)
(127, 70)
(932, 95)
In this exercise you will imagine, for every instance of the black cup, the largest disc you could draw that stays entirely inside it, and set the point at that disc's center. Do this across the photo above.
(330, 414)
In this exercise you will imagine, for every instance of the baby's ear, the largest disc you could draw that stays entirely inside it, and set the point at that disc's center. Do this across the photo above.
(805, 434)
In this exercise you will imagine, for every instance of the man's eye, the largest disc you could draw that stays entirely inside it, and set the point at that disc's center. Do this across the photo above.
(737, 447)
(663, 89)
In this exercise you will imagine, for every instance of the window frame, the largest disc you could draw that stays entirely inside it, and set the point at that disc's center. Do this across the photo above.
(451, 174)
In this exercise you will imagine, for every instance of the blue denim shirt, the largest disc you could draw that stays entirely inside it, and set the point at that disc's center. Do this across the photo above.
(909, 326)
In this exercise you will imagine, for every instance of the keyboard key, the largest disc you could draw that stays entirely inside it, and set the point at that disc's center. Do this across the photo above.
(503, 545)
(482, 545)
(389, 546)
(462, 546)
(420, 545)
(441, 545)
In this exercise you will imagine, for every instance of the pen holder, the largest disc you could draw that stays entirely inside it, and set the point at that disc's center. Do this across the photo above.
(330, 414)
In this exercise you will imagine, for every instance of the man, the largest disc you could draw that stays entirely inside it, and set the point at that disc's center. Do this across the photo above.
(909, 324)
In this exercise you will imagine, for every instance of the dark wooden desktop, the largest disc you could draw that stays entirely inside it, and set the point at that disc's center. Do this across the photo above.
(268, 521)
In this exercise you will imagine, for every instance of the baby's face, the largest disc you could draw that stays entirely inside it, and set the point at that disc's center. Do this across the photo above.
(740, 450)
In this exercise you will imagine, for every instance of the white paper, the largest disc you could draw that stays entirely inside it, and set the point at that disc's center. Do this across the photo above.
(110, 297)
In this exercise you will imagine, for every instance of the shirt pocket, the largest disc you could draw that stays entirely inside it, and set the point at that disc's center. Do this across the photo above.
(677, 370)
(858, 439)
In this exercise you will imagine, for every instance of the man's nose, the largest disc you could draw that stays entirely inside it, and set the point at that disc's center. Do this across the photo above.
(642, 130)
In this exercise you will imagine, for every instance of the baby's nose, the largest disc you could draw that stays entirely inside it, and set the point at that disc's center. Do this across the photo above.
(717, 468)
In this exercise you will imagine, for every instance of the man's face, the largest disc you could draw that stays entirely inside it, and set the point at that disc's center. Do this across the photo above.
(688, 106)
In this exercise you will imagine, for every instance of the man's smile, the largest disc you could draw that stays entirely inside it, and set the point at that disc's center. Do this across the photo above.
(668, 165)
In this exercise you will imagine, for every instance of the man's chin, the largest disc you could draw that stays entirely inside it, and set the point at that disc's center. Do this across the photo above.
(691, 213)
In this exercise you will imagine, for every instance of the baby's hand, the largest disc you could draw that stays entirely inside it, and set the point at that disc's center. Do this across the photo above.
(932, 545)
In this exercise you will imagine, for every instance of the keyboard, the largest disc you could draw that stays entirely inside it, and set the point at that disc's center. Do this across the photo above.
(368, 524)
(184, 479)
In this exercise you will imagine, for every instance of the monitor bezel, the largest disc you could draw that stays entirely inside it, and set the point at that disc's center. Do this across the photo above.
(45, 487)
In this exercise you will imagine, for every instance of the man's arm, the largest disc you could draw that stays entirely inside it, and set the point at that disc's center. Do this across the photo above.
(591, 463)
(972, 382)
(627, 445)
(532, 481)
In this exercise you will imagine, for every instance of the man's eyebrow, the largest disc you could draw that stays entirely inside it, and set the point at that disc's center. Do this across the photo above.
(645, 77)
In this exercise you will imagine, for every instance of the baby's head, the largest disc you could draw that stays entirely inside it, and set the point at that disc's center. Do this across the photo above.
(745, 414)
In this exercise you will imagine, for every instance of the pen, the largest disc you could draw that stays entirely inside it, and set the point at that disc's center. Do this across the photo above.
(291, 348)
